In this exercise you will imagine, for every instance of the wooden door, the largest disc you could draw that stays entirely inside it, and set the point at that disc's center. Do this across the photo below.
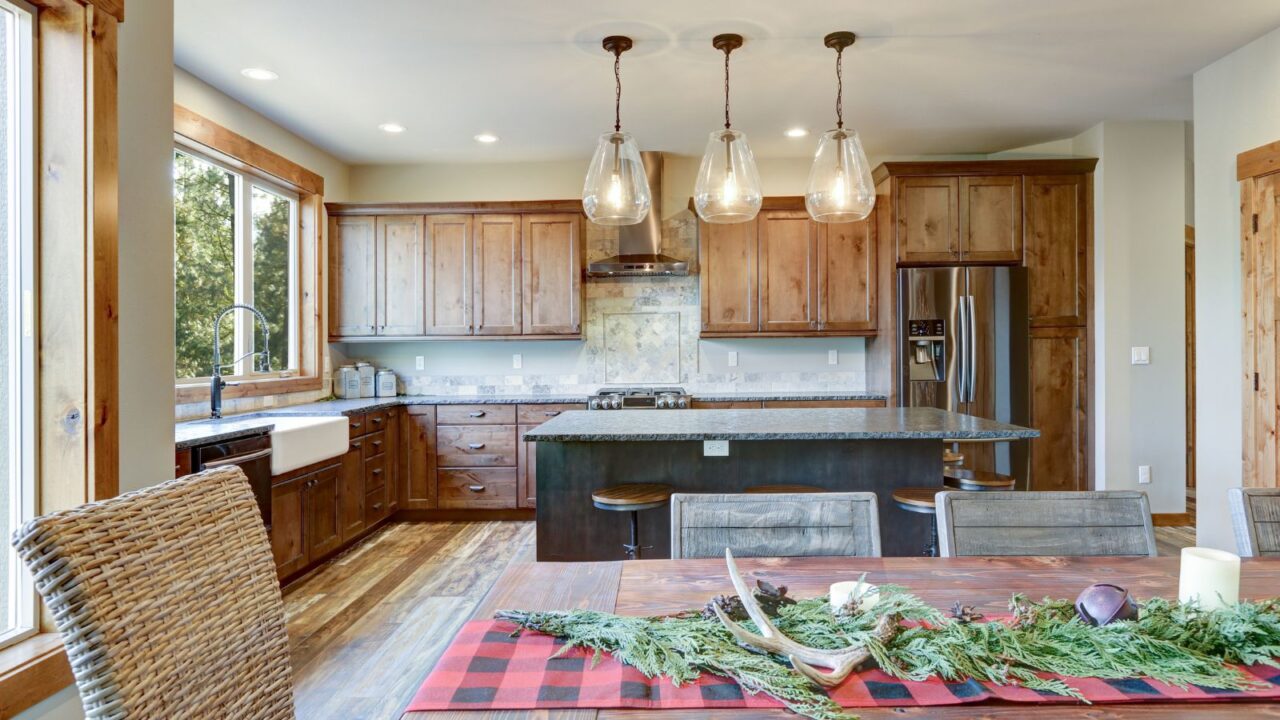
(991, 219)
(1259, 239)
(728, 277)
(1059, 408)
(353, 287)
(448, 267)
(351, 491)
(400, 276)
(420, 483)
(928, 218)
(527, 479)
(1057, 249)
(847, 276)
(788, 271)
(288, 546)
(552, 274)
(496, 300)
(1189, 356)
(322, 523)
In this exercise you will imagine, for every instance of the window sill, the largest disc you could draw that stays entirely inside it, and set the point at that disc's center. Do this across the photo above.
(32, 670)
(199, 392)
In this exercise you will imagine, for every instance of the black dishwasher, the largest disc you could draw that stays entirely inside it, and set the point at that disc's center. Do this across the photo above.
(252, 455)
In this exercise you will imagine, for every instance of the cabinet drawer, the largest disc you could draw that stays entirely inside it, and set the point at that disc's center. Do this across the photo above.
(475, 445)
(375, 506)
(376, 420)
(824, 403)
(537, 414)
(487, 488)
(726, 404)
(375, 473)
(374, 444)
(476, 415)
(357, 425)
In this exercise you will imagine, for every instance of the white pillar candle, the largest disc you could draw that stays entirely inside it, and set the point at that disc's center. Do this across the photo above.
(841, 592)
(1209, 577)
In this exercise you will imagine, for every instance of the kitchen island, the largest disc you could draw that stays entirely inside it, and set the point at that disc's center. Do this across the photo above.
(877, 450)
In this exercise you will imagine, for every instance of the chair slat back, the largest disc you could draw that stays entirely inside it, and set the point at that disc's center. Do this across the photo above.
(775, 525)
(1105, 523)
(1255, 515)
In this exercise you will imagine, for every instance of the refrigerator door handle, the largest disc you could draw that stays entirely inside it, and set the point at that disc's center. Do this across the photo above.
(962, 357)
(973, 351)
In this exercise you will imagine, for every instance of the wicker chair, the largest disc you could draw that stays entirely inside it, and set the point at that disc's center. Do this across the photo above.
(167, 601)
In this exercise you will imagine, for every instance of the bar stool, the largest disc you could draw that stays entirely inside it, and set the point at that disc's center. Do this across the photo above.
(778, 489)
(976, 480)
(952, 457)
(632, 498)
(921, 500)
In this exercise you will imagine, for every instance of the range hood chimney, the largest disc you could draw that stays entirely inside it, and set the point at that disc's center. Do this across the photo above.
(638, 245)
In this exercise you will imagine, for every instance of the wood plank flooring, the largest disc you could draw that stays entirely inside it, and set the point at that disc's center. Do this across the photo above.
(366, 627)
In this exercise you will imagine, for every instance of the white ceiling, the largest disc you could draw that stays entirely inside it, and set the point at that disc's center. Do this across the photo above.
(926, 76)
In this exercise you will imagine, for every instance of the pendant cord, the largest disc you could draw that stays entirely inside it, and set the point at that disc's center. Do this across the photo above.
(726, 89)
(617, 93)
(839, 90)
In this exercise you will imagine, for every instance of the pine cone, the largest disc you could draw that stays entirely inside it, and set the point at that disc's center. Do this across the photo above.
(965, 613)
(731, 605)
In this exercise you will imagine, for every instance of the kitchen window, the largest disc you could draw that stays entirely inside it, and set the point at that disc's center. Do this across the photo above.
(236, 242)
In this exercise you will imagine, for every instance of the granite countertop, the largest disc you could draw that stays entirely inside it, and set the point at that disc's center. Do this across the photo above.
(806, 424)
(787, 395)
(203, 432)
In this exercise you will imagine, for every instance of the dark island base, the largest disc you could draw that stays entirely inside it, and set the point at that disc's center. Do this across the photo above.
(570, 528)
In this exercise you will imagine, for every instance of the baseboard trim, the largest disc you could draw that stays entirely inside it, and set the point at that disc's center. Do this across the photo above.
(463, 515)
(1173, 519)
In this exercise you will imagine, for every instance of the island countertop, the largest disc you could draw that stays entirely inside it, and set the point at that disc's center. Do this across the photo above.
(772, 424)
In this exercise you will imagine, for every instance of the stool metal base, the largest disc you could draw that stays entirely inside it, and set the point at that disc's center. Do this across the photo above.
(633, 548)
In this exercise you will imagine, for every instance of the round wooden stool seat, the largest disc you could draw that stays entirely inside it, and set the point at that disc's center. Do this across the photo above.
(779, 489)
(952, 458)
(632, 497)
(917, 499)
(966, 479)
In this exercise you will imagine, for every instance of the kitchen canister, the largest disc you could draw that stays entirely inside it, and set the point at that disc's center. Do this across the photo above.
(386, 383)
(346, 382)
(367, 378)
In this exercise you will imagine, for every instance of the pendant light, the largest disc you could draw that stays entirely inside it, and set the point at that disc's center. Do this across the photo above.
(728, 185)
(617, 190)
(839, 188)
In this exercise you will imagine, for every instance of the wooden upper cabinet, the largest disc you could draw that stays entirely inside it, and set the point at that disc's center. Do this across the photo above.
(928, 218)
(352, 277)
(788, 271)
(847, 272)
(991, 218)
(552, 274)
(448, 272)
(1057, 249)
(399, 275)
(729, 258)
(496, 297)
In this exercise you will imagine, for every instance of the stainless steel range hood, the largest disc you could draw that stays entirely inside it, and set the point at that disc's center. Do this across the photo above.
(638, 245)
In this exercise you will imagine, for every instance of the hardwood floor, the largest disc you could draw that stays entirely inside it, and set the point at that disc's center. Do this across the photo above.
(365, 627)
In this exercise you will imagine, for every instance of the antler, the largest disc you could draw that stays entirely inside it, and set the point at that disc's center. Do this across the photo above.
(842, 662)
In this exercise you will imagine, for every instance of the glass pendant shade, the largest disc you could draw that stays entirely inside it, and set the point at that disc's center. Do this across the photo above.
(617, 189)
(728, 185)
(839, 188)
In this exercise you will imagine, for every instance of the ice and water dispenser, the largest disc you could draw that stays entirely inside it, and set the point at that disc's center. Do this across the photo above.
(928, 350)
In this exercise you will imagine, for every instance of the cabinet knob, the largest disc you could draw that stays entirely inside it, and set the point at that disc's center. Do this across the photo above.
(551, 413)
(475, 446)
(477, 414)
(476, 488)
(377, 471)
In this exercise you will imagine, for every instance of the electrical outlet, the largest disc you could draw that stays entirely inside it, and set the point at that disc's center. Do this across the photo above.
(420, 362)
(1144, 474)
(833, 357)
(1140, 356)
(517, 361)
(715, 448)
(268, 401)
(733, 358)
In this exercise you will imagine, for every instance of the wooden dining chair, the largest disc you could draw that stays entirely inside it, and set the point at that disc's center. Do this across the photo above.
(775, 525)
(167, 601)
(1105, 524)
(1255, 514)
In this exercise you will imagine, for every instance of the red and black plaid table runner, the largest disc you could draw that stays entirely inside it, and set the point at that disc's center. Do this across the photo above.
(486, 668)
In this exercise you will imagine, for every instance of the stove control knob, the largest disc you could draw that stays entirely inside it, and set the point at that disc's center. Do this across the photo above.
(615, 402)
(594, 404)
(663, 402)
(683, 403)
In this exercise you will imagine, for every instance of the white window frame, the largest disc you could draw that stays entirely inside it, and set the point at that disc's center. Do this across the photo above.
(21, 374)
(246, 333)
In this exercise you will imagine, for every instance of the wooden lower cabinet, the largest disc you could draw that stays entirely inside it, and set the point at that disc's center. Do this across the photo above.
(477, 488)
(306, 516)
(321, 524)
(288, 539)
(352, 492)
(527, 478)
(419, 483)
(1059, 403)
(824, 403)
(725, 405)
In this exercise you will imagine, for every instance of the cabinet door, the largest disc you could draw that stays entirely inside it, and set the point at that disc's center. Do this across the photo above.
(991, 219)
(847, 272)
(497, 275)
(353, 286)
(391, 463)
(728, 277)
(1057, 238)
(928, 220)
(322, 525)
(400, 277)
(288, 545)
(351, 491)
(448, 264)
(1059, 362)
(788, 271)
(527, 480)
(420, 484)
(552, 274)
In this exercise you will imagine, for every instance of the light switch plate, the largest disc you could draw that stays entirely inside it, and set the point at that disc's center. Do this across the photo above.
(833, 357)
(268, 401)
(733, 358)
(1140, 356)
(1144, 474)
(715, 448)
(517, 361)
(420, 362)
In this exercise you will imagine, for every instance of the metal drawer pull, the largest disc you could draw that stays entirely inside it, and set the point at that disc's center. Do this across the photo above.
(475, 446)
(478, 413)
(476, 488)
(551, 413)
(377, 471)
(236, 459)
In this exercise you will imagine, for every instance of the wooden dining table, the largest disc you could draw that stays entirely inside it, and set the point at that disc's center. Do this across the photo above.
(653, 587)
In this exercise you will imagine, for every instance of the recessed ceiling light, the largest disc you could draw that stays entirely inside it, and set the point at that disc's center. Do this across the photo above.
(797, 132)
(486, 138)
(258, 74)
(393, 128)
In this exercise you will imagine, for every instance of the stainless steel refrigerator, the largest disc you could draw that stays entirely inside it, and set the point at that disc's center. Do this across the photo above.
(964, 349)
